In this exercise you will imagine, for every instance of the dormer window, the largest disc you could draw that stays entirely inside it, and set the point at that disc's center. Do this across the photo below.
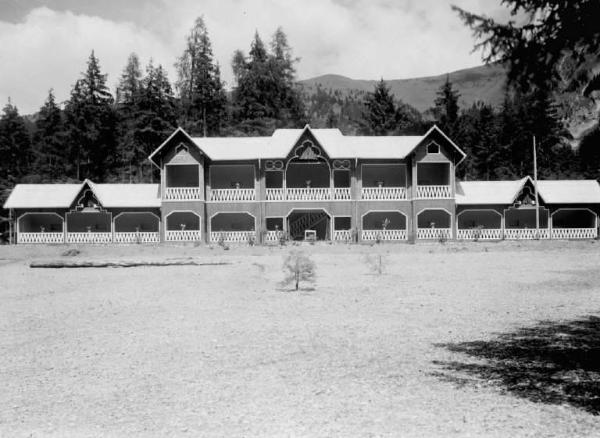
(433, 148)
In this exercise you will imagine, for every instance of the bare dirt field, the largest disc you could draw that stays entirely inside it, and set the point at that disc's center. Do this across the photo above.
(452, 340)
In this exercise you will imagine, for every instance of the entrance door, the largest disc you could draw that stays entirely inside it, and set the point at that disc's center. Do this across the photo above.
(299, 222)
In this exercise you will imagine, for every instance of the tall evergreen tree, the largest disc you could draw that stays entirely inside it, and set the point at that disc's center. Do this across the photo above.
(265, 96)
(199, 84)
(129, 84)
(15, 149)
(49, 141)
(380, 115)
(91, 122)
(445, 110)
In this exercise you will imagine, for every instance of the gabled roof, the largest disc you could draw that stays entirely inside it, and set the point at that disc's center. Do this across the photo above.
(63, 195)
(505, 192)
(488, 192)
(570, 191)
(334, 143)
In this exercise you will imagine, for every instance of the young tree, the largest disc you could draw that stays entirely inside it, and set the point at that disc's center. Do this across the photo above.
(49, 141)
(298, 267)
(91, 123)
(380, 115)
(199, 84)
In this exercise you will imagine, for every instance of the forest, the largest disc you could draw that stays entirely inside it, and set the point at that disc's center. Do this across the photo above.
(107, 136)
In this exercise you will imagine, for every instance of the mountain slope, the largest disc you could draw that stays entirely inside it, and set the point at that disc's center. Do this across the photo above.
(484, 83)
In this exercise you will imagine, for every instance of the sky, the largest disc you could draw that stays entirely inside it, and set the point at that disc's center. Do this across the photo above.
(46, 44)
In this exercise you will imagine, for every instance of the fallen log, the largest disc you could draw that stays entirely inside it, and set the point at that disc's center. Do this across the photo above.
(120, 264)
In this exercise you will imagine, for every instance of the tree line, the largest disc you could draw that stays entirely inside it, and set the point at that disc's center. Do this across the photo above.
(107, 137)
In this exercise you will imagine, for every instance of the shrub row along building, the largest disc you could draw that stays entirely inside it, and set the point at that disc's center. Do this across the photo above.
(304, 183)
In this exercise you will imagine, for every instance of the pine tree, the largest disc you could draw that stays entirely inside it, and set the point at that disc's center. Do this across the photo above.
(49, 141)
(265, 96)
(91, 123)
(380, 115)
(129, 84)
(445, 110)
(15, 149)
(199, 84)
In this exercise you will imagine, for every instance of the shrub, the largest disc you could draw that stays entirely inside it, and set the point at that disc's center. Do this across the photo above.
(376, 263)
(298, 267)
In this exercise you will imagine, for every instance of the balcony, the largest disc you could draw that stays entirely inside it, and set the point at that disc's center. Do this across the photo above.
(308, 194)
(383, 193)
(183, 193)
(433, 192)
(232, 195)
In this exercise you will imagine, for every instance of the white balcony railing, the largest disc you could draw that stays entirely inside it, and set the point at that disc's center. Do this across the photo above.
(433, 192)
(342, 235)
(434, 233)
(479, 234)
(342, 193)
(273, 236)
(233, 236)
(40, 238)
(383, 193)
(574, 233)
(183, 235)
(275, 194)
(137, 237)
(228, 195)
(525, 233)
(89, 237)
(383, 235)
(183, 193)
(308, 194)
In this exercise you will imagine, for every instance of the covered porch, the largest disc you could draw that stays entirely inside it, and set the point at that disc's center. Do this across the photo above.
(89, 226)
(434, 224)
(384, 225)
(182, 182)
(233, 227)
(383, 182)
(479, 224)
(183, 226)
(520, 223)
(40, 228)
(574, 223)
(232, 183)
(434, 180)
(136, 227)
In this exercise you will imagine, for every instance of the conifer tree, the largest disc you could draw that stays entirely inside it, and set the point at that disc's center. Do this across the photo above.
(129, 84)
(49, 141)
(380, 115)
(15, 149)
(199, 84)
(91, 123)
(445, 110)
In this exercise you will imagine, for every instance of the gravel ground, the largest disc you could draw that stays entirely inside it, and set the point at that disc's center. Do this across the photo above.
(226, 351)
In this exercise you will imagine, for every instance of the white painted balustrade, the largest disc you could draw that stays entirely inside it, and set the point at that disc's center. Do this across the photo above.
(135, 237)
(434, 192)
(526, 233)
(383, 235)
(308, 194)
(434, 233)
(383, 193)
(275, 194)
(89, 237)
(480, 234)
(183, 193)
(342, 235)
(574, 233)
(228, 195)
(183, 235)
(233, 236)
(40, 238)
(341, 193)
(273, 236)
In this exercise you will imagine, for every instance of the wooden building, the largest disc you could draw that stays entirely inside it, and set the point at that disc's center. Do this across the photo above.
(304, 183)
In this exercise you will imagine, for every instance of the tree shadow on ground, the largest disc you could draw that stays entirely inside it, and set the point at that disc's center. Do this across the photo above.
(551, 362)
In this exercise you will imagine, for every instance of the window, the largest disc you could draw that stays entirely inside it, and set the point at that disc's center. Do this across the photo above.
(433, 148)
(274, 224)
(342, 223)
